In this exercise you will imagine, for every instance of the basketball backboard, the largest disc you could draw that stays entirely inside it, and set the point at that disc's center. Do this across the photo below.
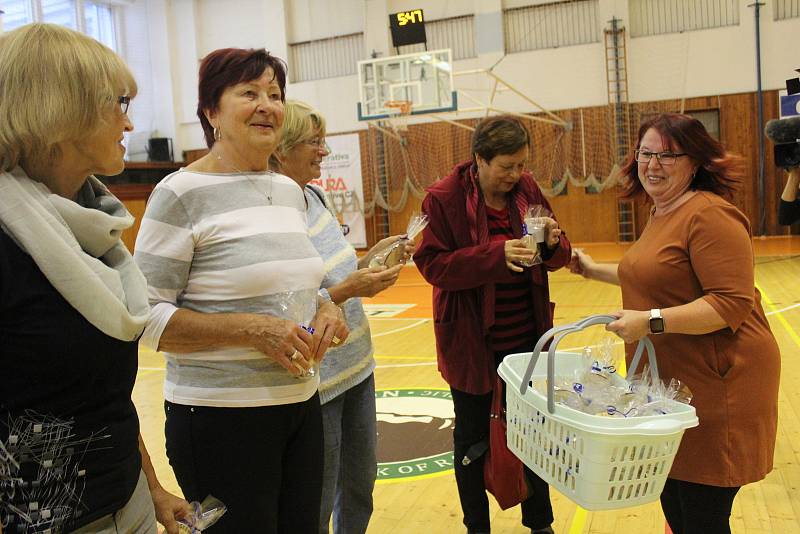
(424, 79)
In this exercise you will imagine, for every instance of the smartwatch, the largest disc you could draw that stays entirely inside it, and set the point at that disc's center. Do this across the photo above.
(657, 325)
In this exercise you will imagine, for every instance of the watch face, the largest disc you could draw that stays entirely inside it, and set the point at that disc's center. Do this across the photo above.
(657, 325)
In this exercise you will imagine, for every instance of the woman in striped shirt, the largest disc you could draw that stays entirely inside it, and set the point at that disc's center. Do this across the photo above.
(233, 279)
(486, 304)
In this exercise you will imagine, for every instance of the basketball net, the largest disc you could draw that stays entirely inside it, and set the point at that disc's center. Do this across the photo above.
(399, 112)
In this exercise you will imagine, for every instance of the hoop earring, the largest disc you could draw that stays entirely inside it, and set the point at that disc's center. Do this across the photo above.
(217, 134)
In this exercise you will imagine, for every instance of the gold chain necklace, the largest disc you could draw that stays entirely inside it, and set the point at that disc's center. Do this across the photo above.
(267, 194)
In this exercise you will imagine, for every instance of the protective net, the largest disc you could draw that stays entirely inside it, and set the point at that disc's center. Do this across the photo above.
(584, 154)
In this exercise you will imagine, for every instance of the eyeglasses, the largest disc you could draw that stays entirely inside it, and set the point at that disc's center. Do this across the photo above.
(664, 158)
(124, 102)
(319, 143)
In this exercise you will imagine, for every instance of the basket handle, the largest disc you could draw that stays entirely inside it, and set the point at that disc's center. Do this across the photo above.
(644, 343)
(558, 333)
(537, 350)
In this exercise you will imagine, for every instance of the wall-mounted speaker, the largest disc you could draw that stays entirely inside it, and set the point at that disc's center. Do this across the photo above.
(160, 149)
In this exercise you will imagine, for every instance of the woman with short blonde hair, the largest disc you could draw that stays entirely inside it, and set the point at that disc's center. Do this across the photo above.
(301, 123)
(72, 302)
(347, 383)
(42, 107)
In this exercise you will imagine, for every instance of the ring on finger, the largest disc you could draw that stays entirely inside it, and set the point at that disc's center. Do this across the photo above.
(335, 340)
(295, 356)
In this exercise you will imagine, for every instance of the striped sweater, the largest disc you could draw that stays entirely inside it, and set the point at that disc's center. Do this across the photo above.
(513, 317)
(351, 363)
(212, 243)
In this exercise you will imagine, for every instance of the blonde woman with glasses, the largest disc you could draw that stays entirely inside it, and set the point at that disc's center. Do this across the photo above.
(72, 302)
(347, 386)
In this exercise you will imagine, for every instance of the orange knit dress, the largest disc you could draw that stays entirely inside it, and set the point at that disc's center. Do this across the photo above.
(703, 250)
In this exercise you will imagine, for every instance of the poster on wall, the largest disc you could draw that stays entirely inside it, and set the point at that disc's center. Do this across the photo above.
(342, 182)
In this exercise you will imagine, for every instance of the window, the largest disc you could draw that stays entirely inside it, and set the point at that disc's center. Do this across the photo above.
(325, 58)
(61, 12)
(95, 19)
(656, 17)
(99, 20)
(786, 9)
(17, 13)
(551, 25)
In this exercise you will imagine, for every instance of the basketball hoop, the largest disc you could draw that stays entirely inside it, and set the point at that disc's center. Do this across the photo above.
(399, 111)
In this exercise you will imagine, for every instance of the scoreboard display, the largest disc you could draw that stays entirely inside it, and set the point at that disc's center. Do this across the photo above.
(408, 27)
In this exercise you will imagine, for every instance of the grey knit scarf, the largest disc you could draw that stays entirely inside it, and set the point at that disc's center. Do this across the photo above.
(78, 248)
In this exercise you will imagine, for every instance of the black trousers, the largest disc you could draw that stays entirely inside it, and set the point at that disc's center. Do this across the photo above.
(264, 463)
(697, 508)
(472, 426)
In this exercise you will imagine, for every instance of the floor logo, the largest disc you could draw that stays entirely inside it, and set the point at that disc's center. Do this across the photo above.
(415, 433)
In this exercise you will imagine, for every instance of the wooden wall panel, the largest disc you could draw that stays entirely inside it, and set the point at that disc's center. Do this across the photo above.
(583, 149)
(190, 156)
(435, 147)
(586, 217)
(134, 196)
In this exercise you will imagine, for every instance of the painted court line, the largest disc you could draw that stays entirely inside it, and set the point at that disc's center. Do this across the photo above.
(391, 366)
(781, 319)
(413, 358)
(787, 308)
(396, 330)
(578, 521)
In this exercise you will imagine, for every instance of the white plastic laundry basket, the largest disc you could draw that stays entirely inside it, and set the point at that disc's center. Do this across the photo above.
(601, 463)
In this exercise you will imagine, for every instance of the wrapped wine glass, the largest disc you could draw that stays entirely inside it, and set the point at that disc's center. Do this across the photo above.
(204, 514)
(394, 254)
(534, 228)
(300, 307)
(596, 388)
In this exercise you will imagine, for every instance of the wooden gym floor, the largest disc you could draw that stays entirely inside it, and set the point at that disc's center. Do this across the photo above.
(406, 358)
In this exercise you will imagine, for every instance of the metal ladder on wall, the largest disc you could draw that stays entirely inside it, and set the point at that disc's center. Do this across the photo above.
(617, 85)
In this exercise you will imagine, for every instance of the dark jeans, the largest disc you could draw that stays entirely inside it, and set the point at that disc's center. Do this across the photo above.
(264, 463)
(696, 508)
(472, 426)
(350, 463)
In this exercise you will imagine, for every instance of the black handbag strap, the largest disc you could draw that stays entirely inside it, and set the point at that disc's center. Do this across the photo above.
(475, 451)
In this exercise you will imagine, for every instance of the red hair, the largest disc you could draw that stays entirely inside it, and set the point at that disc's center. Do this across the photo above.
(226, 67)
(718, 171)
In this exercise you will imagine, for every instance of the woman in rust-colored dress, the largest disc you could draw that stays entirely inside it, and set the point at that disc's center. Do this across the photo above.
(688, 282)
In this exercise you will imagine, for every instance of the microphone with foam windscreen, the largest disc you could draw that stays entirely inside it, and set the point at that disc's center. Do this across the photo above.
(785, 133)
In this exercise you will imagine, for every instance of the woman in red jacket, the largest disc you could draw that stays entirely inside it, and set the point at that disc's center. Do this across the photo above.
(485, 303)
